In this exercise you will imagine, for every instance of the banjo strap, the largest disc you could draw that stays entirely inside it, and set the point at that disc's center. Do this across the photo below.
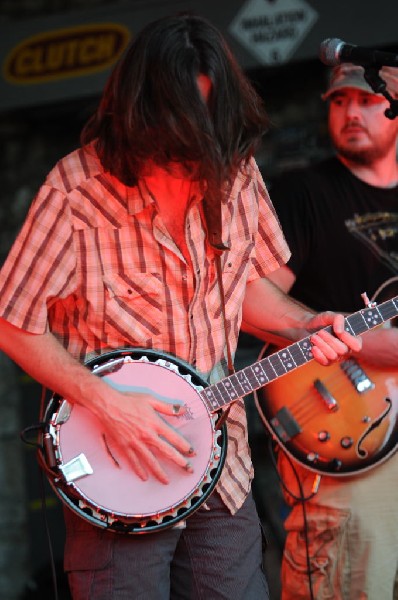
(212, 212)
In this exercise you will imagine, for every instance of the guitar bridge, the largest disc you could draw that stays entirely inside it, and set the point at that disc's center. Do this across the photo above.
(357, 376)
(285, 425)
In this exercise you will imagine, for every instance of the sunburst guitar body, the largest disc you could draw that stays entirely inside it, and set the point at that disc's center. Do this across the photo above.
(337, 420)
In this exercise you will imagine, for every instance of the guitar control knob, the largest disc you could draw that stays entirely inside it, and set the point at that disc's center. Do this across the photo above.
(323, 436)
(336, 464)
(312, 457)
(346, 442)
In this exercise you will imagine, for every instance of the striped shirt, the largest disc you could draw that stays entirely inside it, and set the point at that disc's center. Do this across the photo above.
(95, 265)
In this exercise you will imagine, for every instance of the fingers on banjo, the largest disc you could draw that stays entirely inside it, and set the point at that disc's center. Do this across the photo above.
(153, 466)
(137, 465)
(172, 436)
(168, 449)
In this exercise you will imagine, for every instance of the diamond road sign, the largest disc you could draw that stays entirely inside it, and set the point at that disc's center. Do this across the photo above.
(272, 29)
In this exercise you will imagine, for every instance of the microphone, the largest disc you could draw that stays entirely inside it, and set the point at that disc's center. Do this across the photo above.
(333, 52)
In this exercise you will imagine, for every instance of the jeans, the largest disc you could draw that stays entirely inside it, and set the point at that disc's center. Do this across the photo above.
(216, 557)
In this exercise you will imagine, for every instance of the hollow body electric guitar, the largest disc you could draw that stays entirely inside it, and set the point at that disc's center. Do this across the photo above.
(96, 482)
(335, 420)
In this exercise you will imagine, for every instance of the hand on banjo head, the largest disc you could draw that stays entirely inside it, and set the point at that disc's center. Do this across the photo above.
(136, 429)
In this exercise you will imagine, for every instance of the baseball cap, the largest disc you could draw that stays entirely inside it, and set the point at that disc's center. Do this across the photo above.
(348, 75)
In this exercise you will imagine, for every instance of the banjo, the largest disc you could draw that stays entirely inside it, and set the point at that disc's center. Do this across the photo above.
(99, 485)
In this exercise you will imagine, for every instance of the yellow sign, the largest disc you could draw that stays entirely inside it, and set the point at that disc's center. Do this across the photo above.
(62, 53)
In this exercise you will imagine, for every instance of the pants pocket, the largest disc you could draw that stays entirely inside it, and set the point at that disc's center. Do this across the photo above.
(327, 548)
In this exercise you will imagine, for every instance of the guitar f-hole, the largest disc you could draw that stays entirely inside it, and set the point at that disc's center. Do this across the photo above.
(361, 451)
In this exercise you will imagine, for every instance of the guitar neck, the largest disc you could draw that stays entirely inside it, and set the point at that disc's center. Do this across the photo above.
(255, 376)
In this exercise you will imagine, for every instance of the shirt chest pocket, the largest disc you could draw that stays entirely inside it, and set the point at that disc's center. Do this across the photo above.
(133, 306)
(235, 269)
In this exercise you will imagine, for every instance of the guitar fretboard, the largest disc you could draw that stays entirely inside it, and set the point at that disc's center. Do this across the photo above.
(276, 365)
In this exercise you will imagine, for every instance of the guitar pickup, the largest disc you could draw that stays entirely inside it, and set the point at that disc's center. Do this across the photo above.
(327, 397)
(285, 425)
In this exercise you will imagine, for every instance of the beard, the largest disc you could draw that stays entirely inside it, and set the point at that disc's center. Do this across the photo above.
(366, 155)
(360, 156)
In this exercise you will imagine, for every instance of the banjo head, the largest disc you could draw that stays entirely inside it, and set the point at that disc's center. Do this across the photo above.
(96, 480)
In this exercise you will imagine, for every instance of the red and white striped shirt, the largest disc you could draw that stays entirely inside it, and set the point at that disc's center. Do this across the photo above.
(95, 265)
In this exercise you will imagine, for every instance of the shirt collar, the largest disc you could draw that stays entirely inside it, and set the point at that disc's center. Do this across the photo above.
(139, 198)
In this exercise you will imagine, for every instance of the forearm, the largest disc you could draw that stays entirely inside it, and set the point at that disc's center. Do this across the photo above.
(271, 315)
(380, 348)
(45, 359)
(130, 419)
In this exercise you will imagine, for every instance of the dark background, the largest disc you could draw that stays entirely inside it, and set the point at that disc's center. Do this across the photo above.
(39, 123)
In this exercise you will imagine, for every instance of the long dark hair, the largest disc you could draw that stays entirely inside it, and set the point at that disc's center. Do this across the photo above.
(151, 107)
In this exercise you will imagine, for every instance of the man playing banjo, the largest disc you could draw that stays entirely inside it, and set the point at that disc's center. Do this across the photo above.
(120, 250)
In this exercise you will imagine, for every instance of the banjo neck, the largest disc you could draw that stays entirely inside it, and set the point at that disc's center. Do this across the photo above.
(255, 376)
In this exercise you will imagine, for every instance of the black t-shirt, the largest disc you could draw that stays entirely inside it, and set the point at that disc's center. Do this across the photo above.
(342, 232)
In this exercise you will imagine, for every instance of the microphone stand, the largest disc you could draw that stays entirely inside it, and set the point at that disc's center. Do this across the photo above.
(379, 86)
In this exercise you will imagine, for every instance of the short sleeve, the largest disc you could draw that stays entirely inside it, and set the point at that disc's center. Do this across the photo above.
(271, 250)
(41, 264)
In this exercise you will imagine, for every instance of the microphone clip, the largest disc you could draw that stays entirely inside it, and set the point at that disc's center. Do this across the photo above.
(379, 86)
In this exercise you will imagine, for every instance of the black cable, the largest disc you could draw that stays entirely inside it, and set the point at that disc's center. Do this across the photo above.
(48, 535)
(302, 500)
(43, 468)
